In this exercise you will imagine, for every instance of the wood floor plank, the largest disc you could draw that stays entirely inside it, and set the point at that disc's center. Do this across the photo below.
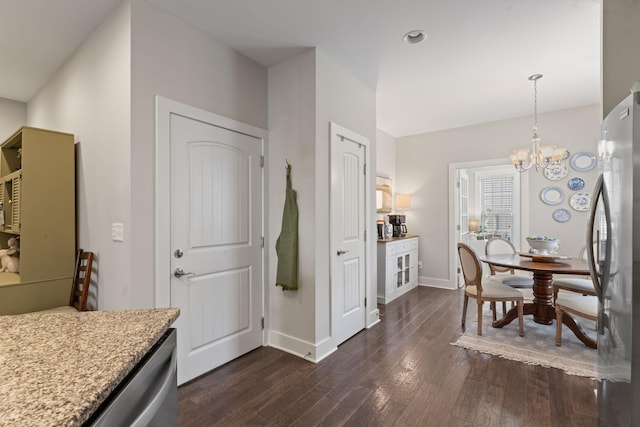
(402, 372)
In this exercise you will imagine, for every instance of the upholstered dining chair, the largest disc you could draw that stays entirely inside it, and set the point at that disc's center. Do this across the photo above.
(491, 290)
(585, 306)
(508, 276)
(580, 285)
(498, 246)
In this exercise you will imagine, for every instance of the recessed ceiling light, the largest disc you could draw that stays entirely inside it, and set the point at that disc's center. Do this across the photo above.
(414, 37)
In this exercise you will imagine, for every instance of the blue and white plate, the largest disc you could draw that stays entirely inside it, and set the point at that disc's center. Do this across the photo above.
(552, 195)
(580, 201)
(556, 172)
(584, 161)
(561, 215)
(575, 184)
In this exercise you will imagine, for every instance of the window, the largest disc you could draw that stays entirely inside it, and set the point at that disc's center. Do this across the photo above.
(496, 203)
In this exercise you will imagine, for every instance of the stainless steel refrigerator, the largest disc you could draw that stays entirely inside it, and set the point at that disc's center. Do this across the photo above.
(614, 258)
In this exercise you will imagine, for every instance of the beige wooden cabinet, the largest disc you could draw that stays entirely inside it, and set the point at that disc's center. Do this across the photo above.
(397, 267)
(37, 195)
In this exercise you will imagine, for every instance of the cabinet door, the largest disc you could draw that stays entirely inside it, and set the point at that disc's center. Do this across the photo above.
(413, 267)
(406, 261)
(392, 275)
(11, 197)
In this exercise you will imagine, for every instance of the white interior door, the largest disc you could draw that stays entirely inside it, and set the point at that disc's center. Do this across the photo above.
(216, 229)
(348, 247)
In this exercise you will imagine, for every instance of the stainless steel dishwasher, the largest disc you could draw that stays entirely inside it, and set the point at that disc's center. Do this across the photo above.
(148, 396)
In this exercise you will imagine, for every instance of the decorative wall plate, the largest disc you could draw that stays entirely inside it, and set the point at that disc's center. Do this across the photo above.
(552, 195)
(556, 172)
(575, 184)
(584, 161)
(561, 215)
(580, 201)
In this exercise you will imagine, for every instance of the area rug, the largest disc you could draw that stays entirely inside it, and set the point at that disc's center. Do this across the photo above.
(537, 347)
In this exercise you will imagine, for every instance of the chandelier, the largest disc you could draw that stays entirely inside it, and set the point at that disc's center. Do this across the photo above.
(540, 157)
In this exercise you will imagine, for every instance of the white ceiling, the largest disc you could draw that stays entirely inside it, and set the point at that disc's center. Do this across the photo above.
(472, 68)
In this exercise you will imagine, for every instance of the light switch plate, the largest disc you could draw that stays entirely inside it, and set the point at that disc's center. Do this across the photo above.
(117, 232)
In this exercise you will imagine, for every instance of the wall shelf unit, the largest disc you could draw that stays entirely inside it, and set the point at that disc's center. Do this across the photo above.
(37, 196)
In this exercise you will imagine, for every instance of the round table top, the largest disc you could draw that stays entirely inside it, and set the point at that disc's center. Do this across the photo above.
(564, 266)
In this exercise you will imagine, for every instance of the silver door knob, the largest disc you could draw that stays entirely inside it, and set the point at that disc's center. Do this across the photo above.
(180, 272)
(340, 252)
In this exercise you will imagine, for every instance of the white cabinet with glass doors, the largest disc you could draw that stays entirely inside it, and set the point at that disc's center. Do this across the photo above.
(397, 267)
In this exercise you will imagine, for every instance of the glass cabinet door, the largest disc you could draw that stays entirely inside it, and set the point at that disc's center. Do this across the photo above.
(406, 269)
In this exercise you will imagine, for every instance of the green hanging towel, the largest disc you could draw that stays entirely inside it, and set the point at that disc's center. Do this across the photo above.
(287, 243)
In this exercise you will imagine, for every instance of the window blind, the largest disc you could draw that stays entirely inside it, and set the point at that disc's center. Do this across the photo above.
(496, 201)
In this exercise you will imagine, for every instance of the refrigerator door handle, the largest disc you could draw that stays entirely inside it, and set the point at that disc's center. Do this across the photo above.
(591, 257)
(599, 279)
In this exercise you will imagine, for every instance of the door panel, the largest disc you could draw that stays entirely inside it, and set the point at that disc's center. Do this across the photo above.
(348, 276)
(216, 217)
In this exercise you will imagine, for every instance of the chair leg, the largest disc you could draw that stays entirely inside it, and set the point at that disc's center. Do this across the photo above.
(504, 308)
(492, 304)
(464, 310)
(520, 318)
(479, 317)
(558, 326)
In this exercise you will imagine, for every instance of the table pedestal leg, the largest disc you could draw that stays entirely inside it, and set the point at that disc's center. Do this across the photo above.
(542, 306)
(578, 331)
(543, 297)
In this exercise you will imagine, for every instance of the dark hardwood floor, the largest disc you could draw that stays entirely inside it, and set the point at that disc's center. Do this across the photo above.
(401, 372)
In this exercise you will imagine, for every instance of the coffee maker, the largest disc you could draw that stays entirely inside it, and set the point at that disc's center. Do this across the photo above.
(399, 225)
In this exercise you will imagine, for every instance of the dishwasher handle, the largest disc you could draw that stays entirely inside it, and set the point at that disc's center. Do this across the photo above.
(147, 414)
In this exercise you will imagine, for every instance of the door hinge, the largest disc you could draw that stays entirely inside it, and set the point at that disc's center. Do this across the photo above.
(458, 227)
(262, 241)
(365, 301)
(365, 235)
(365, 168)
(262, 323)
(261, 161)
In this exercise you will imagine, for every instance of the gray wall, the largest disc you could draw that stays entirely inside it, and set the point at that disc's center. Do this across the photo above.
(305, 94)
(422, 170)
(175, 60)
(105, 95)
(89, 96)
(13, 115)
(620, 44)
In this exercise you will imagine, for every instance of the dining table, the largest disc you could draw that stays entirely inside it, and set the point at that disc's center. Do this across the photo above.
(542, 267)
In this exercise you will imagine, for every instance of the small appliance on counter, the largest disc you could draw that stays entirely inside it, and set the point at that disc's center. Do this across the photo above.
(380, 224)
(398, 222)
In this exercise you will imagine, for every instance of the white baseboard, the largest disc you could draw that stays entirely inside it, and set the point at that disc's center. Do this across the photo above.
(303, 349)
(436, 283)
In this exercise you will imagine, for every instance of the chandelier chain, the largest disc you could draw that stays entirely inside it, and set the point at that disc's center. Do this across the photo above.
(535, 104)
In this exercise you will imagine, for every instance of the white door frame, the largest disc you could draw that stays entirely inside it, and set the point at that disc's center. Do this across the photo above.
(453, 213)
(164, 108)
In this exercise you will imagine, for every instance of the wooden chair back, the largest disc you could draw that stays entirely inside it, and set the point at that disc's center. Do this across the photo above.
(81, 280)
(499, 246)
(471, 267)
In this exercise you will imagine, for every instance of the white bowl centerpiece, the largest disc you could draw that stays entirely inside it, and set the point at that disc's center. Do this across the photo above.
(543, 245)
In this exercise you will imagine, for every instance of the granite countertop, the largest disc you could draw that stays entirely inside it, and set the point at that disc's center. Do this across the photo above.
(57, 368)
